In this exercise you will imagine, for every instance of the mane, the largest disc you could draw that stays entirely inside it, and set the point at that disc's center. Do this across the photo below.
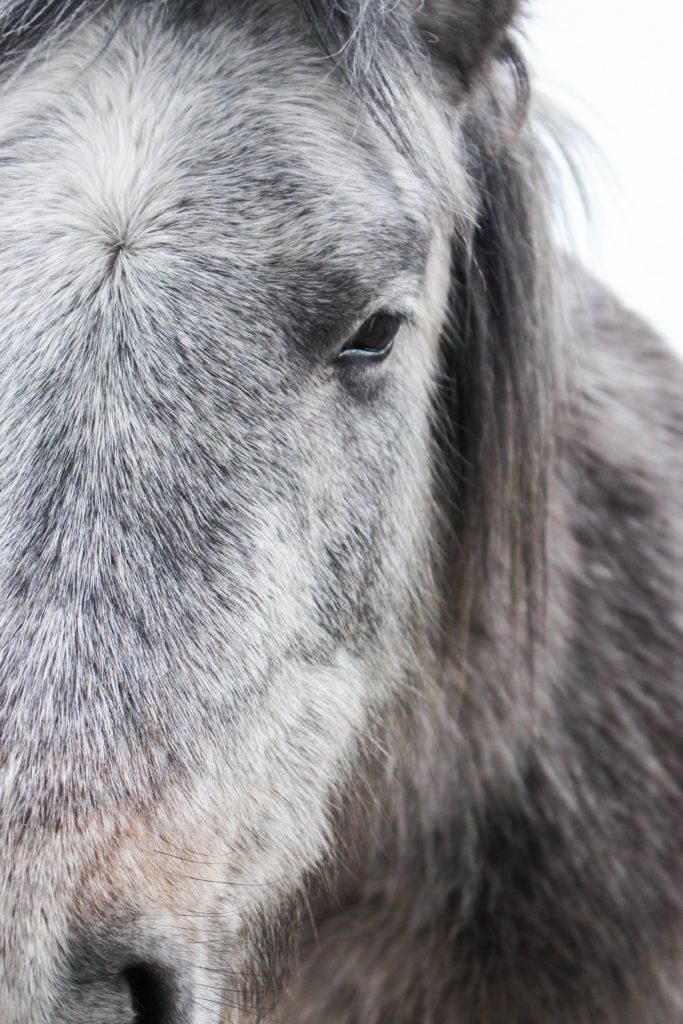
(500, 359)
(494, 406)
(24, 24)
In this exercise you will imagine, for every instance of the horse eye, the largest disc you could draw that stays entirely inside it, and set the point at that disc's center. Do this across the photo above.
(374, 339)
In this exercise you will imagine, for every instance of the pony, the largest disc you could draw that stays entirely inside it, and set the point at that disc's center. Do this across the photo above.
(341, 641)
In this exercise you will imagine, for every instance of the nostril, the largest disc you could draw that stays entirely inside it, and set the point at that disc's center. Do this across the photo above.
(150, 993)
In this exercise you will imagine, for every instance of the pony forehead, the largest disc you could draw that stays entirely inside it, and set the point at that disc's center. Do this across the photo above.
(218, 145)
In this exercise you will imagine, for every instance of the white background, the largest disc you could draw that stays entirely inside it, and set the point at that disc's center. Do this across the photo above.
(616, 66)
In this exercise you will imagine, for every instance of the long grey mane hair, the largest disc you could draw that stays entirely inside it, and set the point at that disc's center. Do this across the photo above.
(452, 795)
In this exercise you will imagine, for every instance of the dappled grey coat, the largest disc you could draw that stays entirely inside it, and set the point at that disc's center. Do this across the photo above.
(341, 640)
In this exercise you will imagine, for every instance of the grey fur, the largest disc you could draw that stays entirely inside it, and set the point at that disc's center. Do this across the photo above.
(342, 693)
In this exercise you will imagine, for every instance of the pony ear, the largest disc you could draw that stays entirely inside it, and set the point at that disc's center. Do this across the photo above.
(465, 34)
